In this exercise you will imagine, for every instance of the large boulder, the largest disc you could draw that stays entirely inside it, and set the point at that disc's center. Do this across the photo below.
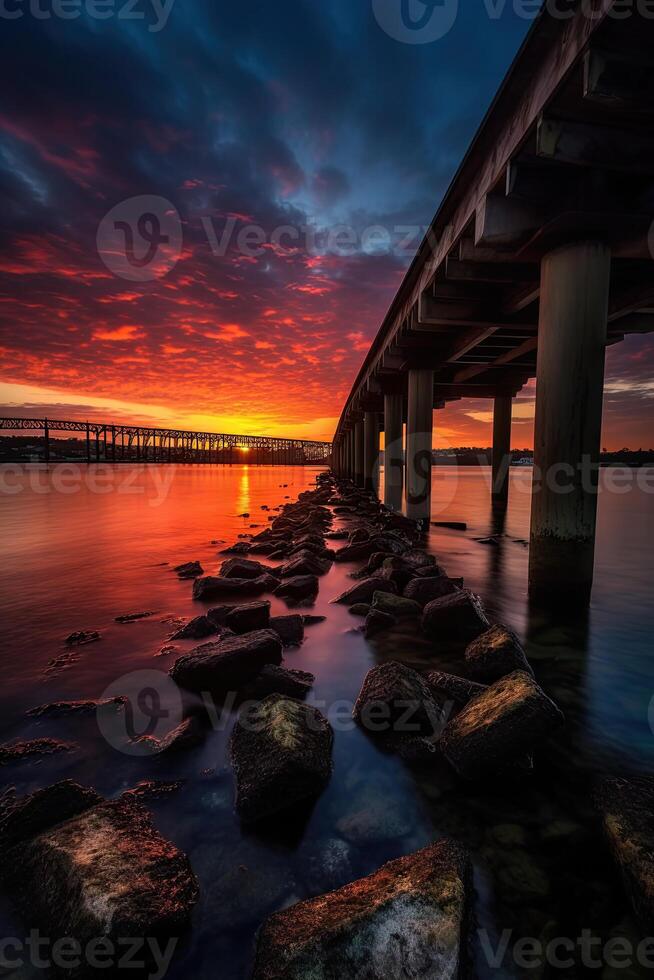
(31, 815)
(290, 629)
(281, 752)
(453, 688)
(626, 806)
(364, 591)
(378, 622)
(215, 587)
(248, 617)
(395, 704)
(195, 629)
(242, 568)
(273, 679)
(396, 605)
(105, 872)
(409, 919)
(498, 726)
(494, 654)
(299, 590)
(424, 590)
(459, 616)
(305, 564)
(227, 665)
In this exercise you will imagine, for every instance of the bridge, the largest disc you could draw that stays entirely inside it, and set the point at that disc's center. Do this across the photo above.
(118, 443)
(539, 257)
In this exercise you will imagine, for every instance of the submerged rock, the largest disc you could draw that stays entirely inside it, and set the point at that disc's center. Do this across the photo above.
(396, 605)
(458, 689)
(494, 654)
(133, 617)
(190, 569)
(273, 679)
(31, 749)
(378, 621)
(82, 637)
(498, 726)
(409, 919)
(65, 709)
(310, 620)
(281, 753)
(248, 617)
(108, 871)
(364, 591)
(227, 665)
(359, 609)
(459, 616)
(626, 806)
(187, 735)
(290, 629)
(299, 590)
(327, 864)
(195, 629)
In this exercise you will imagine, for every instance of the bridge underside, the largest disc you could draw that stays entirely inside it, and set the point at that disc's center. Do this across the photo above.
(540, 257)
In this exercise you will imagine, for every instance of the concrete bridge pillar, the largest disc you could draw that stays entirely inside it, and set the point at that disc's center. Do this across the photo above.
(572, 333)
(393, 451)
(420, 414)
(371, 452)
(358, 453)
(501, 447)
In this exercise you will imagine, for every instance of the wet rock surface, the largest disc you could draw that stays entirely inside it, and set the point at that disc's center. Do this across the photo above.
(68, 709)
(195, 629)
(459, 689)
(364, 591)
(215, 587)
(228, 664)
(281, 754)
(494, 654)
(280, 680)
(290, 629)
(298, 590)
(248, 617)
(33, 749)
(31, 815)
(425, 589)
(459, 616)
(190, 569)
(395, 705)
(498, 726)
(409, 919)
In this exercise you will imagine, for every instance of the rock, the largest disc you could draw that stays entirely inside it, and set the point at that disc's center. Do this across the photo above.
(133, 617)
(187, 735)
(305, 565)
(280, 680)
(38, 812)
(375, 818)
(242, 568)
(364, 591)
(81, 637)
(108, 871)
(378, 621)
(326, 864)
(497, 727)
(422, 559)
(395, 605)
(626, 806)
(491, 541)
(396, 703)
(227, 665)
(298, 590)
(190, 569)
(196, 629)
(409, 919)
(459, 616)
(213, 587)
(309, 620)
(219, 614)
(359, 609)
(248, 617)
(494, 654)
(65, 709)
(35, 748)
(423, 590)
(451, 525)
(521, 880)
(290, 629)
(240, 548)
(457, 689)
(155, 789)
(281, 753)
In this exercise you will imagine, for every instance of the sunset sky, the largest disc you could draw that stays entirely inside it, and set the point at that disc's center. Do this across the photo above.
(291, 113)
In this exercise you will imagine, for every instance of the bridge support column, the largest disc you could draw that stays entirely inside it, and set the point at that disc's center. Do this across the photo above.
(358, 454)
(350, 455)
(572, 334)
(501, 447)
(420, 414)
(393, 455)
(371, 452)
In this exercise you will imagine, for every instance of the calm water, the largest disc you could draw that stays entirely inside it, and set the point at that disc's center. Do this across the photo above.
(106, 546)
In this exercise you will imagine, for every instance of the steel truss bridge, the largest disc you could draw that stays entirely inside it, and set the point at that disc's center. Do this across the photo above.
(116, 443)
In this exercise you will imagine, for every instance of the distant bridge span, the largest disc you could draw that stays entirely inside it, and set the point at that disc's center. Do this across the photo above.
(116, 442)
(540, 256)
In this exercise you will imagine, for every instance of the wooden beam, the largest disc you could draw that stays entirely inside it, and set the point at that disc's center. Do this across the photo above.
(590, 145)
(502, 221)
